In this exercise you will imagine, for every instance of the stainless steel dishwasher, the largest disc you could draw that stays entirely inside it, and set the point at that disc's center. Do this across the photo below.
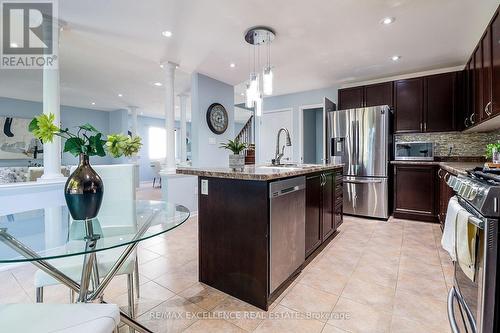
(287, 230)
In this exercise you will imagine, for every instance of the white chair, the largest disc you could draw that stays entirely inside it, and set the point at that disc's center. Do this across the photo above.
(116, 216)
(156, 168)
(63, 318)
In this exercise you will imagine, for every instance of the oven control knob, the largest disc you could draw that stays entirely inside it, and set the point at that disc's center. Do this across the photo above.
(473, 193)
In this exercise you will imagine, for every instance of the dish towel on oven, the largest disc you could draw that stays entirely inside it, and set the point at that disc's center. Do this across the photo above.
(466, 244)
(450, 226)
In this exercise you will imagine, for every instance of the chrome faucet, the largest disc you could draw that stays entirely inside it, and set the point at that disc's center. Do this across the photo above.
(279, 155)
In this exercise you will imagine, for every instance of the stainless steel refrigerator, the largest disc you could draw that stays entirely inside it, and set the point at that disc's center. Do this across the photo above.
(360, 139)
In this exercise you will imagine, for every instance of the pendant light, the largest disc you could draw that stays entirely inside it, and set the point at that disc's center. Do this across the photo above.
(254, 95)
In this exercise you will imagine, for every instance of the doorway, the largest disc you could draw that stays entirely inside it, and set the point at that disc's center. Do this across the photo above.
(270, 123)
(312, 135)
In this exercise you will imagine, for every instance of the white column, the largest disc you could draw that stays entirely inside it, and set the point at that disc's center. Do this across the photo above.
(51, 104)
(169, 69)
(133, 114)
(183, 135)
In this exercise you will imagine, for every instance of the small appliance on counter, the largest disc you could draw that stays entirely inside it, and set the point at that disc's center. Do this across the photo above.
(414, 151)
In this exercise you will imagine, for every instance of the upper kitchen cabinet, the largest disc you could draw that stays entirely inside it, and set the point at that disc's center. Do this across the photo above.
(495, 63)
(378, 94)
(351, 98)
(483, 73)
(427, 104)
(364, 96)
(440, 102)
(409, 105)
(478, 86)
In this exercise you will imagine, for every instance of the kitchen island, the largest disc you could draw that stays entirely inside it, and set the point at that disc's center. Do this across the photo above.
(258, 226)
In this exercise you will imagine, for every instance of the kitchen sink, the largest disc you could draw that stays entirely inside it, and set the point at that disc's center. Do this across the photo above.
(289, 166)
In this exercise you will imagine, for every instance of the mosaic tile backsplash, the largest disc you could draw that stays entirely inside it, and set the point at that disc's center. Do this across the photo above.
(470, 144)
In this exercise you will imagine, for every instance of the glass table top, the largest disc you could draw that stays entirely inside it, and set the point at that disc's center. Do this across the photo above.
(51, 232)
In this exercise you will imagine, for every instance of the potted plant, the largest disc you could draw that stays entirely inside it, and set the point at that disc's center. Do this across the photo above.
(236, 161)
(493, 152)
(84, 188)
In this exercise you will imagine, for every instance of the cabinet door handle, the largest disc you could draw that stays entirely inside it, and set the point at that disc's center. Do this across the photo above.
(425, 127)
(472, 119)
(439, 173)
(487, 109)
(421, 127)
(465, 122)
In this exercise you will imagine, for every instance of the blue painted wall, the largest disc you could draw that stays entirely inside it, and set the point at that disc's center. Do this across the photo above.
(107, 122)
(205, 91)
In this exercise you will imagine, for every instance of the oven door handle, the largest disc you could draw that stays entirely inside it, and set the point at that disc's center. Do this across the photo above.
(451, 311)
(453, 293)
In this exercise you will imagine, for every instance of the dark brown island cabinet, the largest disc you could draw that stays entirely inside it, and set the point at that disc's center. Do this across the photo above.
(416, 192)
(235, 226)
(324, 195)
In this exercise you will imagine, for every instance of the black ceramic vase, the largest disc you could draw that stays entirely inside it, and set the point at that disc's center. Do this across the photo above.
(84, 191)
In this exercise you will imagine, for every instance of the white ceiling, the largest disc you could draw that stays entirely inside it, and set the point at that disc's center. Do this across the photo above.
(116, 46)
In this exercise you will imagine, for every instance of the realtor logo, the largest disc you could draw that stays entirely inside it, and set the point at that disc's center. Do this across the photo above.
(29, 31)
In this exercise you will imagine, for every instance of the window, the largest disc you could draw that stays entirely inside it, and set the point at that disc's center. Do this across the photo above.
(157, 143)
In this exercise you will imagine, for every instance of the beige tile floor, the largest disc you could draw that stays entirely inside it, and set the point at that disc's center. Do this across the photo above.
(373, 277)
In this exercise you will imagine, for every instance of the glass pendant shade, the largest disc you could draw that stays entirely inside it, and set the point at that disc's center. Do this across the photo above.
(258, 106)
(248, 97)
(267, 81)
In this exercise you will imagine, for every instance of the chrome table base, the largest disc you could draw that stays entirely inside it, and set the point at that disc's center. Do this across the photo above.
(90, 274)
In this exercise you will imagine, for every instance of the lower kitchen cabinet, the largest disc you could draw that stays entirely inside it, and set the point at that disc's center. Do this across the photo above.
(445, 194)
(323, 208)
(313, 212)
(415, 189)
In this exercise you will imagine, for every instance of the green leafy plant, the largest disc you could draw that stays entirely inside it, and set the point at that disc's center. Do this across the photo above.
(490, 147)
(234, 145)
(87, 139)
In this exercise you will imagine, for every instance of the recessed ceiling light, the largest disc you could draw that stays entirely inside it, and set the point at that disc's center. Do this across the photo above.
(395, 57)
(120, 95)
(232, 65)
(93, 103)
(387, 20)
(167, 33)
(14, 45)
(242, 94)
(158, 84)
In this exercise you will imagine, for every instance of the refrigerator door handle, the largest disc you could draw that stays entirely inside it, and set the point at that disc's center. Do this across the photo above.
(365, 181)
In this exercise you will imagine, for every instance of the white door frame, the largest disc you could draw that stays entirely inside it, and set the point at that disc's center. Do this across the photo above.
(258, 132)
(301, 128)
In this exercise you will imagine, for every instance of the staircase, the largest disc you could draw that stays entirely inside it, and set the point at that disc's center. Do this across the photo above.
(246, 136)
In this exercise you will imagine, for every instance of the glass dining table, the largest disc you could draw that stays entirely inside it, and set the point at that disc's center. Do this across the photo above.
(38, 236)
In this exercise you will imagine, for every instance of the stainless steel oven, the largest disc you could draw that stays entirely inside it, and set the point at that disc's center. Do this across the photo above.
(472, 305)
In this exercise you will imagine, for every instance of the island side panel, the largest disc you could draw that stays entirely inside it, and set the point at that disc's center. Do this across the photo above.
(233, 238)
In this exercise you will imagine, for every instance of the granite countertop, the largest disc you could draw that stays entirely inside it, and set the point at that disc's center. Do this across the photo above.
(455, 168)
(259, 172)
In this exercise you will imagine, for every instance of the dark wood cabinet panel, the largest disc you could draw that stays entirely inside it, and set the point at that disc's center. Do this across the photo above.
(409, 105)
(233, 239)
(327, 205)
(313, 213)
(415, 190)
(350, 98)
(486, 74)
(439, 95)
(478, 85)
(379, 94)
(470, 92)
(495, 60)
